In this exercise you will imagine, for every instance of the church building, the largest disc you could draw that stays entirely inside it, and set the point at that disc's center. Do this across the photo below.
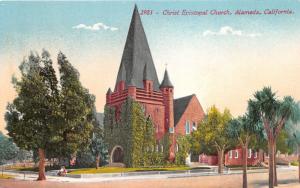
(137, 79)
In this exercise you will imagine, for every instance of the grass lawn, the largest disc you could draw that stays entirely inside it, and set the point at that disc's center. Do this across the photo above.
(295, 163)
(119, 169)
(5, 176)
(248, 167)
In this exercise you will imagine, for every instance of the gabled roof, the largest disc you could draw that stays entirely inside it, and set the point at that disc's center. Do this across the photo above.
(166, 81)
(137, 59)
(180, 106)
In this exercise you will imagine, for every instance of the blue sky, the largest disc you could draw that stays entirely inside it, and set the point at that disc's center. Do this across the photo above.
(222, 59)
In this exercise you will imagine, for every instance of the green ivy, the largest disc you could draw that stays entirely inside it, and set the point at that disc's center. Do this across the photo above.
(184, 147)
(134, 132)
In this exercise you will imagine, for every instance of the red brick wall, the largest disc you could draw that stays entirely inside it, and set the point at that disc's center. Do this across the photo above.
(193, 113)
(238, 161)
(151, 100)
(208, 159)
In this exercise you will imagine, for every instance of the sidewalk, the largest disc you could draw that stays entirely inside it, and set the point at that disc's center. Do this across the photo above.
(286, 179)
(51, 176)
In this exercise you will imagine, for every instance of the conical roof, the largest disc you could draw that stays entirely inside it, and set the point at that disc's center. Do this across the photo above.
(166, 81)
(137, 59)
(109, 91)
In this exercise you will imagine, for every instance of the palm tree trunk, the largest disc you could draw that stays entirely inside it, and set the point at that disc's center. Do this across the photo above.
(42, 175)
(271, 163)
(245, 155)
(275, 167)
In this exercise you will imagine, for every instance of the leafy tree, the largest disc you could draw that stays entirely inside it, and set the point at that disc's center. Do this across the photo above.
(98, 147)
(213, 133)
(273, 113)
(282, 143)
(85, 158)
(8, 150)
(44, 118)
(77, 109)
(245, 129)
(27, 117)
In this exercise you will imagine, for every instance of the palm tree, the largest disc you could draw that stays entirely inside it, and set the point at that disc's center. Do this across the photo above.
(245, 129)
(273, 113)
(293, 131)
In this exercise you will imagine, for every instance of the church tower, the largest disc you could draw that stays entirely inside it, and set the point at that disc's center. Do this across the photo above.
(167, 90)
(137, 79)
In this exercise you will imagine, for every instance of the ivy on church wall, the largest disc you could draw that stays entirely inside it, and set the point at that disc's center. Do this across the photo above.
(134, 132)
(184, 147)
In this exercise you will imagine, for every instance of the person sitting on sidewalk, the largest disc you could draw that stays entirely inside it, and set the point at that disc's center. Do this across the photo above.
(62, 171)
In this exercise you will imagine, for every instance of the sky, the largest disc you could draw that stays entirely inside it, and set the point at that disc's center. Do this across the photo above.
(223, 59)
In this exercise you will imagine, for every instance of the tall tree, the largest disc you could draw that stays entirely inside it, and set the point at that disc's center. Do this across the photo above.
(76, 105)
(245, 129)
(98, 147)
(27, 117)
(213, 132)
(40, 118)
(274, 113)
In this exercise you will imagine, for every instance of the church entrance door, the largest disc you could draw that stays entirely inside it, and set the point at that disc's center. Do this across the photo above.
(117, 155)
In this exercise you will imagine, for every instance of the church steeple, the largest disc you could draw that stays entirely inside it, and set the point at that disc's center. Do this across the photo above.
(166, 81)
(136, 58)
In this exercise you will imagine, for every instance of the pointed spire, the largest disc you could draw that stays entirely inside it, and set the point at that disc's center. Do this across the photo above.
(136, 58)
(108, 91)
(166, 81)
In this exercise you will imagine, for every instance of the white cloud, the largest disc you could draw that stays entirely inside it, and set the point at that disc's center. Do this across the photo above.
(229, 31)
(95, 27)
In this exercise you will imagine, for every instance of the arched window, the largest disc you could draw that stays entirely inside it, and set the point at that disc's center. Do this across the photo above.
(187, 127)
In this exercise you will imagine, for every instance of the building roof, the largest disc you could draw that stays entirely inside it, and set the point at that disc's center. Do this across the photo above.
(109, 91)
(136, 59)
(166, 81)
(180, 106)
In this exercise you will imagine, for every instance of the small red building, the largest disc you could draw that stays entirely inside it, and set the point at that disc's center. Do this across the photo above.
(234, 158)
(137, 78)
